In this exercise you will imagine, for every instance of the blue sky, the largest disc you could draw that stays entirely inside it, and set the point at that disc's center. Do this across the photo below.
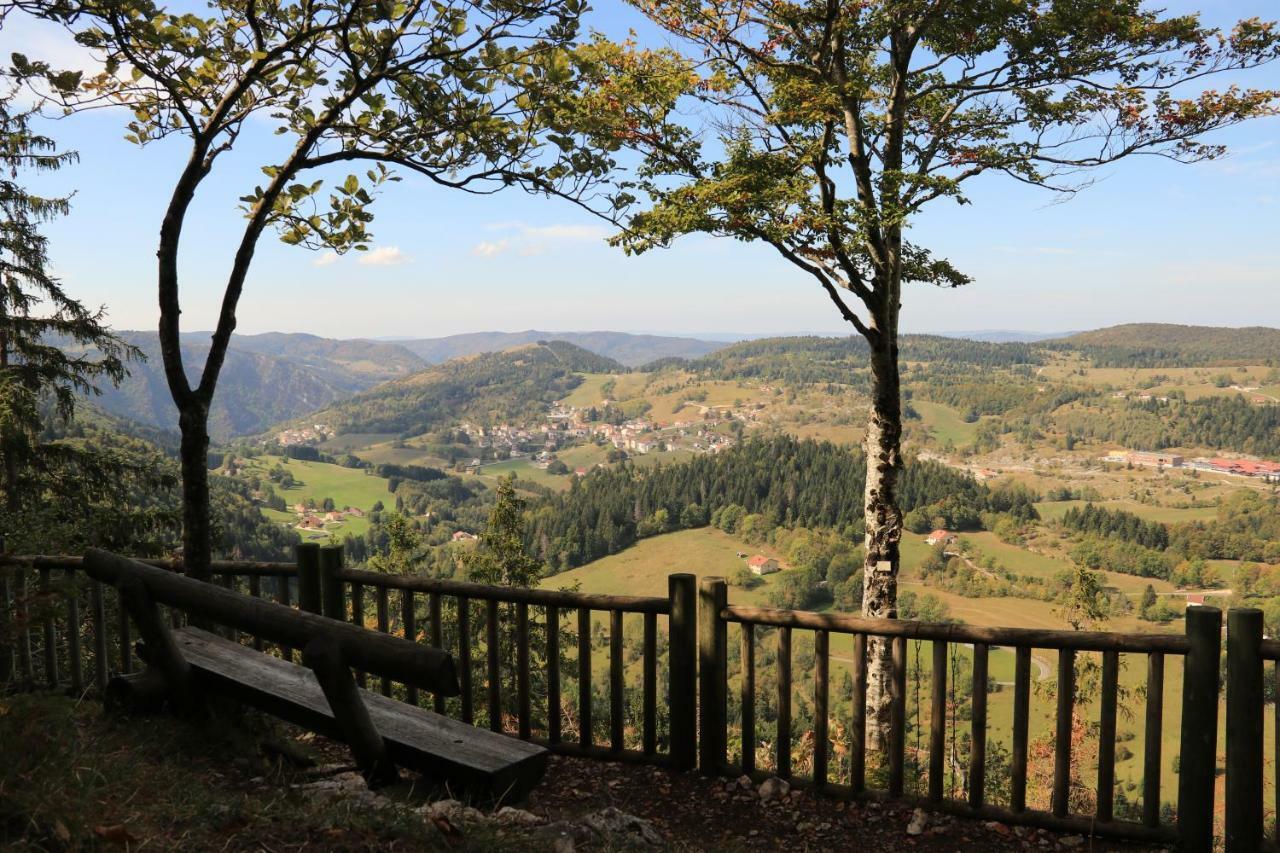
(1150, 241)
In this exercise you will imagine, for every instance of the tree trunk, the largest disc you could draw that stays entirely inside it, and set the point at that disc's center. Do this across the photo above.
(883, 520)
(197, 541)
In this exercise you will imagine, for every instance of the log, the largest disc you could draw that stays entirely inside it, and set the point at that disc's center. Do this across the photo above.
(141, 693)
(1095, 641)
(323, 656)
(163, 652)
(428, 668)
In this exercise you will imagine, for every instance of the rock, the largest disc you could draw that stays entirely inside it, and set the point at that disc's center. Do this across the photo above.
(617, 825)
(918, 820)
(744, 782)
(349, 785)
(773, 788)
(563, 844)
(451, 811)
(1071, 841)
(508, 816)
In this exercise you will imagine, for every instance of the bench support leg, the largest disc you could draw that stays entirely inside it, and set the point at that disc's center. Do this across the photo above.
(323, 656)
(162, 651)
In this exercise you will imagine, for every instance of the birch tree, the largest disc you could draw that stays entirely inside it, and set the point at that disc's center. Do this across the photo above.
(821, 128)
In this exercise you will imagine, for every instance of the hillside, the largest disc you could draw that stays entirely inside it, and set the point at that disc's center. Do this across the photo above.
(512, 385)
(1170, 345)
(627, 349)
(265, 379)
(359, 363)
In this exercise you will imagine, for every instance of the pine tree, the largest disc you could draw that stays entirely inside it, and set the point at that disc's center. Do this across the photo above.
(52, 348)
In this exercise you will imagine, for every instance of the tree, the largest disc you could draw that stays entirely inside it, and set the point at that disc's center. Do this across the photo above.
(38, 377)
(500, 559)
(471, 94)
(836, 123)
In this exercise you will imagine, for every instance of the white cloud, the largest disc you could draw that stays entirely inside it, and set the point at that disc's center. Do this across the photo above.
(529, 240)
(490, 248)
(384, 256)
(324, 259)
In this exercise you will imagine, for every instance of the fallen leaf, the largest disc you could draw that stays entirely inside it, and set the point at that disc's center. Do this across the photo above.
(451, 833)
(117, 834)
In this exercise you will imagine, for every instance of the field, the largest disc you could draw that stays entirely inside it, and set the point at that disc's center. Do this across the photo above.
(1054, 510)
(643, 568)
(316, 481)
(945, 424)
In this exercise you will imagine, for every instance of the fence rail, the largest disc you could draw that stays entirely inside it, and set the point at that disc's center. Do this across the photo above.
(1199, 647)
(60, 628)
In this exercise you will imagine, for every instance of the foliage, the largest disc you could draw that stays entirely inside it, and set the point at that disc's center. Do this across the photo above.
(759, 485)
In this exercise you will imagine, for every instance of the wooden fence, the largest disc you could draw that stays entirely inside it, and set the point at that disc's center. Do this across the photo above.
(59, 628)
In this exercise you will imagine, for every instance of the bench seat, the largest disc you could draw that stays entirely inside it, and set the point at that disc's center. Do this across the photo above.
(476, 763)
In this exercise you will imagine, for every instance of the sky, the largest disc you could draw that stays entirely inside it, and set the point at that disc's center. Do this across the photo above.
(1149, 241)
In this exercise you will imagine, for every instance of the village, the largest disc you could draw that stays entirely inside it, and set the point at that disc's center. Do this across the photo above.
(568, 425)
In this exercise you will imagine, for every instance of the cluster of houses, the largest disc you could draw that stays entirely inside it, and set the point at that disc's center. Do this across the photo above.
(313, 434)
(567, 425)
(1257, 468)
(309, 518)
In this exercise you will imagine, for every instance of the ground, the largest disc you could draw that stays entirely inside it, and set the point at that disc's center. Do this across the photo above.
(80, 779)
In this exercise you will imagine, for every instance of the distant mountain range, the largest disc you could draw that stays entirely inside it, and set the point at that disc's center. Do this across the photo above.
(276, 378)
(627, 349)
(1005, 336)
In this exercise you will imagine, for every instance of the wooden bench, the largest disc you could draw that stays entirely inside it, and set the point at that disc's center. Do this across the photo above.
(187, 664)
(474, 762)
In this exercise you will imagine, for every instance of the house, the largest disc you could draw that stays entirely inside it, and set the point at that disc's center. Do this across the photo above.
(333, 515)
(1195, 599)
(463, 536)
(354, 512)
(762, 565)
(311, 522)
(940, 535)
(579, 472)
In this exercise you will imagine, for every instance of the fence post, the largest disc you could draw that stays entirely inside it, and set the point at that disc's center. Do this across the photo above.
(1199, 737)
(332, 589)
(713, 640)
(1244, 730)
(682, 669)
(309, 595)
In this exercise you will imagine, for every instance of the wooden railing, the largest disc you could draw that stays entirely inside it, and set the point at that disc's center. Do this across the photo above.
(1199, 648)
(43, 636)
(59, 628)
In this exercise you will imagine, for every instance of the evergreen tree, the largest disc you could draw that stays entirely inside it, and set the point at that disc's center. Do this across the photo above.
(52, 348)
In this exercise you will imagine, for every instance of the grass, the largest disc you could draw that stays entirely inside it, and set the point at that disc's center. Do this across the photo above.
(74, 778)
(642, 569)
(945, 424)
(1055, 510)
(319, 480)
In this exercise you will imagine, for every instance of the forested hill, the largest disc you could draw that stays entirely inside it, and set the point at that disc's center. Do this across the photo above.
(822, 359)
(357, 364)
(784, 480)
(266, 379)
(1169, 345)
(119, 490)
(502, 387)
(630, 350)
